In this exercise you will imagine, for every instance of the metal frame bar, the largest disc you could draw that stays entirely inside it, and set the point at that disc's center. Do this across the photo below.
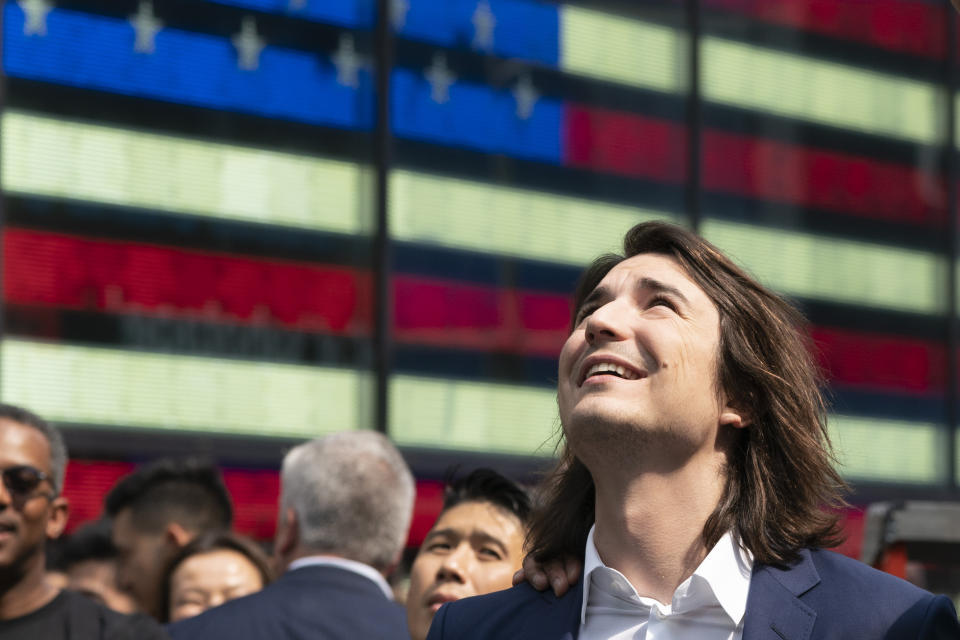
(694, 115)
(953, 322)
(382, 339)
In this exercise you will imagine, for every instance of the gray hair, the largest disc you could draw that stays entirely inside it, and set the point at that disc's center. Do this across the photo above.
(353, 496)
(58, 449)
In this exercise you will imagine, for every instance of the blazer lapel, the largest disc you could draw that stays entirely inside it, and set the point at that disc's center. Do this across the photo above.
(559, 618)
(774, 609)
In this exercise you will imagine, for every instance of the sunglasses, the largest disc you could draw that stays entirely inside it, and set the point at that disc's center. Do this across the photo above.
(22, 480)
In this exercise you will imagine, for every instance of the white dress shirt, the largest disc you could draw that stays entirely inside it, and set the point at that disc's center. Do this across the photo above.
(709, 605)
(347, 565)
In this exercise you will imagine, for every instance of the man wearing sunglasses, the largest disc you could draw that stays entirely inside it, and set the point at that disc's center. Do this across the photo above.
(32, 463)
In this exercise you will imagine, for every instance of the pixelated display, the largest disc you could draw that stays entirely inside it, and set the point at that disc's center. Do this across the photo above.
(189, 196)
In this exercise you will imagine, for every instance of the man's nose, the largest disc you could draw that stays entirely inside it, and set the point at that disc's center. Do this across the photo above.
(606, 322)
(455, 565)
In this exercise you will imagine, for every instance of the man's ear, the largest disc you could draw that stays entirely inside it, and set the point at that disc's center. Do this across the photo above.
(732, 415)
(176, 536)
(59, 514)
(288, 533)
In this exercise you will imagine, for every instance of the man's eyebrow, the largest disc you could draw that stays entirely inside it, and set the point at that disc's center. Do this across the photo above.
(482, 536)
(661, 287)
(441, 532)
(597, 294)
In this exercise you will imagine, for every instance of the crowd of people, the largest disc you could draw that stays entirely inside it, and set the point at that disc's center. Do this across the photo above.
(691, 499)
(164, 552)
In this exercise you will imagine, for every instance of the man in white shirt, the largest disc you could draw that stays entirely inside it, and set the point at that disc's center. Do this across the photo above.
(695, 472)
(345, 508)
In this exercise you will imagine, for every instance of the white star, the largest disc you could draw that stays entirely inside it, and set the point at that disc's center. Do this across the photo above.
(526, 96)
(249, 45)
(35, 16)
(483, 24)
(440, 79)
(347, 62)
(146, 26)
(398, 13)
(296, 5)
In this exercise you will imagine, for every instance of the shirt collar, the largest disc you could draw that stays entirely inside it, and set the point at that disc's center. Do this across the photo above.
(591, 560)
(353, 566)
(726, 570)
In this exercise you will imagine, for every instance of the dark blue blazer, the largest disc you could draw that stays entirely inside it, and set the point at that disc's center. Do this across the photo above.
(322, 603)
(822, 596)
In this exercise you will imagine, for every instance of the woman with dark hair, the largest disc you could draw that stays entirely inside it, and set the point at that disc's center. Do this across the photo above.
(211, 570)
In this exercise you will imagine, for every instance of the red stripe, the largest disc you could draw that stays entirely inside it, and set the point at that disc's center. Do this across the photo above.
(85, 486)
(255, 494)
(427, 507)
(45, 269)
(810, 177)
(63, 271)
(79, 273)
(905, 26)
(881, 362)
(639, 146)
(452, 314)
(625, 143)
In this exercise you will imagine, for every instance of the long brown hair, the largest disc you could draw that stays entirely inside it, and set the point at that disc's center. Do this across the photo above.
(781, 485)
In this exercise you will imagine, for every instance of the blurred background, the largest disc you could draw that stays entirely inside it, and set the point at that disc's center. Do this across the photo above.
(229, 225)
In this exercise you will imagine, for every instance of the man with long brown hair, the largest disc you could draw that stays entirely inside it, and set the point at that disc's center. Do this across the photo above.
(696, 479)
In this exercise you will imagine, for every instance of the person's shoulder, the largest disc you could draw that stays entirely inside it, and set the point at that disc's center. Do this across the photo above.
(87, 614)
(522, 596)
(235, 613)
(858, 594)
(849, 574)
(505, 614)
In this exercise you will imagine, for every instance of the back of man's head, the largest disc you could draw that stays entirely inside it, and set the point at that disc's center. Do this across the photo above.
(88, 558)
(158, 509)
(188, 491)
(352, 494)
(90, 541)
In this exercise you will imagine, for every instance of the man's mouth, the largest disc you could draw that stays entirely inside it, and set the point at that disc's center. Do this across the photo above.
(7, 529)
(437, 600)
(608, 367)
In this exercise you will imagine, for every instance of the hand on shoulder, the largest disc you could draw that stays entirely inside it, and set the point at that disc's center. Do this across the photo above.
(559, 574)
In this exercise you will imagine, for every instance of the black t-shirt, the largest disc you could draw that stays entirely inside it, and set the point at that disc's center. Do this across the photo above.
(72, 616)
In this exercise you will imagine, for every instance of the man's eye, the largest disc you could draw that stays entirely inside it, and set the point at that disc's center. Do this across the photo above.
(438, 546)
(585, 312)
(660, 301)
(490, 553)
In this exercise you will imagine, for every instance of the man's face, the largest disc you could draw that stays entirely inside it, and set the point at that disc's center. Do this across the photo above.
(640, 366)
(142, 557)
(28, 519)
(474, 548)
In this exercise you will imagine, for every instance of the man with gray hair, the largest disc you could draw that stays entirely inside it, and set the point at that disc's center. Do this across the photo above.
(345, 507)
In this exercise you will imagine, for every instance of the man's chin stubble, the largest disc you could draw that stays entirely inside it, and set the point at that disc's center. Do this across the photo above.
(609, 443)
